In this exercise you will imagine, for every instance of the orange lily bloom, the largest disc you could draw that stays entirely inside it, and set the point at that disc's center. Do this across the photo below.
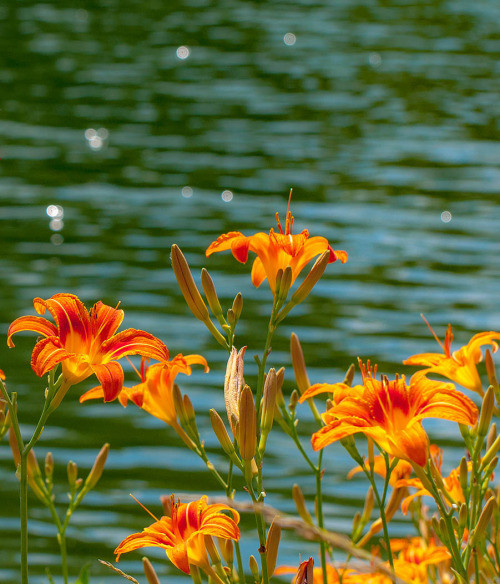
(154, 393)
(275, 251)
(459, 366)
(84, 342)
(182, 535)
(391, 413)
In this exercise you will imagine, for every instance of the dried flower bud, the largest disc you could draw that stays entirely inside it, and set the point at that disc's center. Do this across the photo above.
(305, 572)
(299, 364)
(311, 279)
(149, 572)
(211, 295)
(300, 504)
(272, 544)
(96, 471)
(247, 432)
(167, 503)
(233, 384)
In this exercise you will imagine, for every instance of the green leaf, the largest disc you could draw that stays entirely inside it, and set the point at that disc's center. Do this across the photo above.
(83, 578)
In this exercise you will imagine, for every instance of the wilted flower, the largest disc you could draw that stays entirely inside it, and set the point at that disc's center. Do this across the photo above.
(84, 342)
(275, 251)
(182, 534)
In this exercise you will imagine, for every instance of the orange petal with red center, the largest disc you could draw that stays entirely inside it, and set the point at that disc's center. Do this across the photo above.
(312, 247)
(411, 443)
(70, 315)
(143, 539)
(47, 354)
(37, 324)
(178, 555)
(105, 321)
(442, 400)
(336, 430)
(111, 377)
(221, 526)
(133, 342)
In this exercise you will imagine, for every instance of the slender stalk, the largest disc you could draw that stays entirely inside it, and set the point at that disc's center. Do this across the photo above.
(319, 515)
(262, 363)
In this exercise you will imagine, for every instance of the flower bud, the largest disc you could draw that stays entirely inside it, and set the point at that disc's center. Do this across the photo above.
(96, 471)
(254, 568)
(189, 411)
(490, 370)
(480, 530)
(178, 403)
(311, 279)
(284, 288)
(268, 402)
(211, 295)
(72, 474)
(299, 364)
(233, 383)
(149, 572)
(186, 284)
(272, 544)
(491, 452)
(280, 378)
(305, 572)
(349, 376)
(463, 475)
(368, 508)
(237, 306)
(231, 319)
(300, 504)
(33, 470)
(356, 525)
(247, 434)
(492, 434)
(294, 400)
(49, 466)
(444, 532)
(222, 436)
(462, 517)
(486, 413)
(226, 549)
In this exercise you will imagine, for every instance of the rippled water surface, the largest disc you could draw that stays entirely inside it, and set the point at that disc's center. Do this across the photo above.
(152, 123)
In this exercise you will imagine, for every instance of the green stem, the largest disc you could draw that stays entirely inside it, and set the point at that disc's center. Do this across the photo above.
(241, 571)
(261, 531)
(262, 363)
(319, 515)
(23, 507)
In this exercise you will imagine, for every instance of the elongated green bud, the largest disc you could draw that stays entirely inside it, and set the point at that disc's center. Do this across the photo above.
(368, 508)
(486, 413)
(189, 410)
(72, 474)
(490, 370)
(98, 467)
(220, 431)
(254, 568)
(285, 283)
(272, 544)
(211, 295)
(491, 452)
(463, 475)
(237, 306)
(492, 434)
(268, 402)
(462, 517)
(247, 425)
(49, 466)
(311, 279)
(299, 364)
(35, 480)
(294, 400)
(349, 376)
(300, 504)
(179, 404)
(186, 284)
(149, 572)
(480, 530)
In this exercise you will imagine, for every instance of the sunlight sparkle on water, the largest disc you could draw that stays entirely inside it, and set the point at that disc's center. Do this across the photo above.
(445, 216)
(227, 196)
(183, 52)
(187, 192)
(289, 39)
(55, 211)
(96, 138)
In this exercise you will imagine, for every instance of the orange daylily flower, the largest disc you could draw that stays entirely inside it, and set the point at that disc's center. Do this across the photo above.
(391, 413)
(84, 342)
(154, 393)
(182, 534)
(275, 251)
(459, 366)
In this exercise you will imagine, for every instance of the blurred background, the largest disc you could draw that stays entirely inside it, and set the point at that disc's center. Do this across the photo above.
(128, 126)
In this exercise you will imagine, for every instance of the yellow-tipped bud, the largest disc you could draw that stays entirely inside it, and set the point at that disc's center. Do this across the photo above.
(49, 466)
(490, 370)
(349, 376)
(300, 504)
(233, 384)
(220, 431)
(231, 319)
(272, 544)
(311, 279)
(299, 364)
(268, 402)
(492, 434)
(72, 474)
(211, 295)
(186, 284)
(486, 412)
(96, 470)
(149, 572)
(254, 568)
(247, 438)
(480, 530)
(356, 525)
(237, 306)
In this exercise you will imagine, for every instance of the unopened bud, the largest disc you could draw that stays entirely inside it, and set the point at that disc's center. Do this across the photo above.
(280, 377)
(247, 438)
(349, 376)
(211, 295)
(254, 568)
(300, 504)
(272, 544)
(436, 527)
(463, 475)
(49, 466)
(231, 319)
(72, 474)
(356, 525)
(220, 431)
(186, 284)
(167, 504)
(33, 470)
(492, 434)
(149, 572)
(462, 517)
(490, 370)
(233, 384)
(305, 573)
(189, 410)
(311, 279)
(299, 364)
(268, 402)
(284, 288)
(96, 471)
(294, 400)
(178, 403)
(486, 413)
(480, 530)
(368, 508)
(489, 469)
(491, 452)
(444, 532)
(237, 306)
(226, 549)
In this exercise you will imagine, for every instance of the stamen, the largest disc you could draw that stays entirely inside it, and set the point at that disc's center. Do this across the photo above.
(145, 508)
(278, 221)
(135, 368)
(432, 331)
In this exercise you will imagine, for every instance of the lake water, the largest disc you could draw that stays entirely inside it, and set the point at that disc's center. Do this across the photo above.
(148, 124)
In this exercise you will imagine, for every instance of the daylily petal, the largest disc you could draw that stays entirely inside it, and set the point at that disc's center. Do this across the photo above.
(235, 241)
(111, 377)
(36, 324)
(105, 321)
(178, 555)
(258, 274)
(134, 342)
(47, 354)
(412, 443)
